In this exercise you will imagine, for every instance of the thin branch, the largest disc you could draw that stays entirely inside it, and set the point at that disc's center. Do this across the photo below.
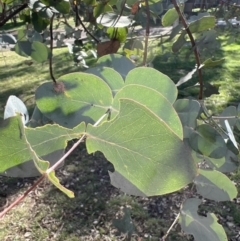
(185, 25)
(51, 50)
(224, 117)
(146, 33)
(84, 27)
(169, 230)
(120, 14)
(74, 146)
(19, 199)
(15, 12)
(66, 23)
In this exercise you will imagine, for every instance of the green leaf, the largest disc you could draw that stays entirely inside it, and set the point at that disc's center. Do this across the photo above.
(90, 2)
(177, 45)
(150, 2)
(118, 62)
(39, 23)
(101, 8)
(38, 119)
(215, 186)
(202, 228)
(187, 77)
(154, 79)
(112, 2)
(153, 100)
(22, 35)
(52, 137)
(130, 2)
(231, 115)
(119, 181)
(24, 15)
(42, 165)
(125, 224)
(202, 24)
(211, 63)
(188, 111)
(62, 6)
(111, 19)
(143, 150)
(40, 52)
(44, 141)
(36, 5)
(231, 142)
(84, 97)
(110, 76)
(207, 141)
(23, 48)
(13, 106)
(8, 38)
(45, 12)
(13, 147)
(8, 1)
(224, 164)
(169, 17)
(119, 34)
(37, 37)
(55, 181)
(175, 31)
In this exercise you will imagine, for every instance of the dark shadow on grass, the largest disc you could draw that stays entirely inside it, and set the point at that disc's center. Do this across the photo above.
(224, 76)
(11, 26)
(61, 65)
(89, 215)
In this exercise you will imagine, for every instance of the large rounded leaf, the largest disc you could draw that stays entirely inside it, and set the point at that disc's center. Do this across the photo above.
(40, 52)
(177, 45)
(207, 141)
(39, 23)
(169, 17)
(15, 105)
(119, 34)
(231, 115)
(202, 228)
(77, 97)
(118, 62)
(224, 164)
(188, 111)
(111, 19)
(143, 150)
(8, 38)
(101, 8)
(154, 79)
(110, 76)
(152, 100)
(215, 185)
(62, 6)
(48, 142)
(23, 48)
(202, 24)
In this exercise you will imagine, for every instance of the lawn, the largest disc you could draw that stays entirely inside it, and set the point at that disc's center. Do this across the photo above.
(225, 76)
(20, 76)
(47, 214)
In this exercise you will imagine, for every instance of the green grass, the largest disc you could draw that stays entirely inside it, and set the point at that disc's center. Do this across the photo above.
(10, 27)
(225, 76)
(20, 79)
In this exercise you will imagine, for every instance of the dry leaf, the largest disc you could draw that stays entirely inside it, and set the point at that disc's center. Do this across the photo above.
(108, 47)
(135, 8)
